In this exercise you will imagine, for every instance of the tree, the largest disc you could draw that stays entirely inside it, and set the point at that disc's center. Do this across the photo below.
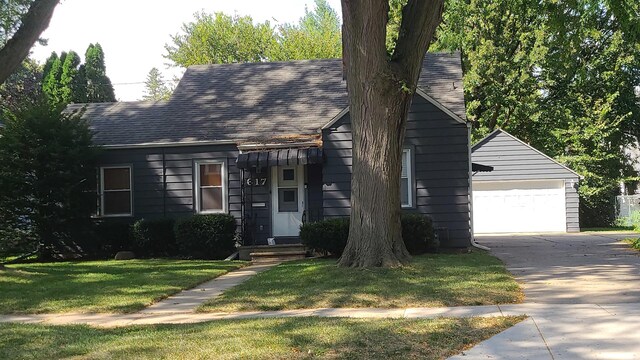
(99, 88)
(559, 75)
(316, 36)
(380, 87)
(23, 88)
(51, 84)
(220, 38)
(20, 30)
(69, 78)
(46, 173)
(155, 87)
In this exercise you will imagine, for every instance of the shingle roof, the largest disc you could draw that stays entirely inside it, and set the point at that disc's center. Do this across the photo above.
(253, 102)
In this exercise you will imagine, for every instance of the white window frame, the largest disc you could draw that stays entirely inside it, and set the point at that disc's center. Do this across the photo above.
(410, 183)
(224, 186)
(102, 190)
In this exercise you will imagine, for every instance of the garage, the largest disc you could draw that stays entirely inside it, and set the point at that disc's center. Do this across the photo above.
(525, 192)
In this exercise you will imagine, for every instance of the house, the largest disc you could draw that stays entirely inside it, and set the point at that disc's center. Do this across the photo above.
(270, 143)
(526, 191)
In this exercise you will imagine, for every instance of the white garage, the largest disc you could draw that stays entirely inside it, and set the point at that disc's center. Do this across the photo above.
(525, 192)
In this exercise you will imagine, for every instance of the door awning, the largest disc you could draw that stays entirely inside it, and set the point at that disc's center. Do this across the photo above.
(280, 157)
(480, 168)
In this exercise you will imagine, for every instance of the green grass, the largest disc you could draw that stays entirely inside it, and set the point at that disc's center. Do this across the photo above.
(100, 286)
(476, 278)
(634, 242)
(611, 229)
(284, 338)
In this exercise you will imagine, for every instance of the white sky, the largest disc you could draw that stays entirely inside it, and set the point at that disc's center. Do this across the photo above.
(133, 32)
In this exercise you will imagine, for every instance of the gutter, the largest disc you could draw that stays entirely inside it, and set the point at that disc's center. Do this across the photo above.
(473, 237)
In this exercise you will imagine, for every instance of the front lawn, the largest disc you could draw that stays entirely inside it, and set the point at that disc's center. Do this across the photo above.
(476, 278)
(100, 286)
(284, 338)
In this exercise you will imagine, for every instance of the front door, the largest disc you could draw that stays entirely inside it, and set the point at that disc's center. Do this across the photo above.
(287, 194)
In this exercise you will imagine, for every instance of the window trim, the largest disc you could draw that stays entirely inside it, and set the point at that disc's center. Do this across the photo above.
(410, 179)
(224, 186)
(102, 190)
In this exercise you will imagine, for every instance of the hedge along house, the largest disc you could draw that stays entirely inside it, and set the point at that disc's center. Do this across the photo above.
(270, 143)
(526, 191)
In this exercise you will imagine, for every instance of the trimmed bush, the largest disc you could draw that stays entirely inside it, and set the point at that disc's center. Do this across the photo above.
(206, 236)
(154, 237)
(111, 236)
(418, 234)
(329, 236)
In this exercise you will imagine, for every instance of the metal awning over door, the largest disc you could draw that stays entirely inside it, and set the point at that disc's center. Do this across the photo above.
(280, 157)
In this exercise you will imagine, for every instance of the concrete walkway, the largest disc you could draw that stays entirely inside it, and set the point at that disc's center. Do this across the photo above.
(188, 300)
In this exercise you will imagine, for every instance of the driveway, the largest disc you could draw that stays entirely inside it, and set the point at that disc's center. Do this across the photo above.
(582, 297)
(571, 268)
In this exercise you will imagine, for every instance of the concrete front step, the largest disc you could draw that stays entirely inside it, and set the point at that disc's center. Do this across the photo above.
(277, 256)
(245, 252)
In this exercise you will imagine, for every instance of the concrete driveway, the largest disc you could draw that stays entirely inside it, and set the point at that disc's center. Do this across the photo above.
(571, 268)
(582, 297)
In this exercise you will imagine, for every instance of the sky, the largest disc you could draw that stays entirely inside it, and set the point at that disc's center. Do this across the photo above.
(133, 32)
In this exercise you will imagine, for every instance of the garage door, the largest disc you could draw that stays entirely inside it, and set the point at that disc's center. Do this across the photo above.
(519, 206)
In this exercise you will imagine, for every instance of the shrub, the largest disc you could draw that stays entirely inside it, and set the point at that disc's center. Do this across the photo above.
(328, 235)
(154, 237)
(110, 236)
(331, 235)
(418, 234)
(206, 236)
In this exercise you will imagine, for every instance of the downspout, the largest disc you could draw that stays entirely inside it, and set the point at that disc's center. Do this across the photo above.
(164, 184)
(473, 238)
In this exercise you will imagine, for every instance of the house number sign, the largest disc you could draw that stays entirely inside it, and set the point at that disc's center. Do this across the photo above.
(256, 181)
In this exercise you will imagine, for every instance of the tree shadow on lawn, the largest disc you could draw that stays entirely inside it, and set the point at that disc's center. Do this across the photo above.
(430, 281)
(284, 338)
(104, 286)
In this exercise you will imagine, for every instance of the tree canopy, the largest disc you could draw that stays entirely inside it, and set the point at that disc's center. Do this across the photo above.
(66, 80)
(560, 76)
(219, 38)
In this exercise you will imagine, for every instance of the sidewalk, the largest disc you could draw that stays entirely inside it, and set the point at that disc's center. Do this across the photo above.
(552, 331)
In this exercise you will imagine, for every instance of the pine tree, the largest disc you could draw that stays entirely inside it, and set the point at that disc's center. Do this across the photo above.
(99, 87)
(155, 86)
(51, 85)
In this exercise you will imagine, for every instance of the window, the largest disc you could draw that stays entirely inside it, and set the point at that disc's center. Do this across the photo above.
(406, 180)
(115, 191)
(287, 190)
(210, 187)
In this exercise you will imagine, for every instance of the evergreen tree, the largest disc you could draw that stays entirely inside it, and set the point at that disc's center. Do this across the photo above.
(68, 78)
(99, 88)
(51, 85)
(155, 86)
(47, 172)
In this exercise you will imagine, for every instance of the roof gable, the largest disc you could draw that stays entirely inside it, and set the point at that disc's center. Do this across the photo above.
(513, 159)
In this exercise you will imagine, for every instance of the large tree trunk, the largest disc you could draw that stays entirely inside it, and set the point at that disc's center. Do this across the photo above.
(35, 21)
(380, 91)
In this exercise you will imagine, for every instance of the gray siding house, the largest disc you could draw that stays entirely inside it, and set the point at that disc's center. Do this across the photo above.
(270, 143)
(527, 191)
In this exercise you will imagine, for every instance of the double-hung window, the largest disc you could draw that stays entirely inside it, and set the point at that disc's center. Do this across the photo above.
(406, 180)
(210, 187)
(115, 191)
